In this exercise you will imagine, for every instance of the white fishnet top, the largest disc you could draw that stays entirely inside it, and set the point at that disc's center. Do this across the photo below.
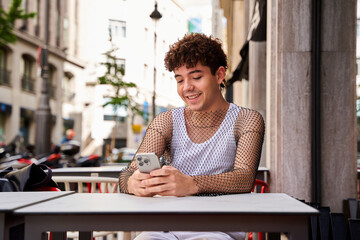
(225, 147)
(214, 156)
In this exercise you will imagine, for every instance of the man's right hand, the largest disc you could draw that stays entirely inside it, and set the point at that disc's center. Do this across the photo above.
(134, 184)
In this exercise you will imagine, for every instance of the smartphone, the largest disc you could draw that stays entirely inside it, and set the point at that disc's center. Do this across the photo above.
(147, 162)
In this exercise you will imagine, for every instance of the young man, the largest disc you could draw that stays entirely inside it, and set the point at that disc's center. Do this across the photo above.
(208, 147)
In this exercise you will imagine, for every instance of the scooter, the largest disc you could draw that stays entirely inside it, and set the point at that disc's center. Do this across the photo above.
(51, 159)
(15, 154)
(16, 161)
(70, 158)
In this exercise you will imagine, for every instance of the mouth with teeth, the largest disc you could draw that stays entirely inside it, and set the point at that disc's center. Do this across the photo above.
(193, 97)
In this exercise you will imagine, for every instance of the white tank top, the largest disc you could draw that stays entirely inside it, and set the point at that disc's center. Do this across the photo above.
(214, 156)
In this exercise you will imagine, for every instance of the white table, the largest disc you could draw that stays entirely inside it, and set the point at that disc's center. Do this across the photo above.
(102, 171)
(269, 212)
(10, 201)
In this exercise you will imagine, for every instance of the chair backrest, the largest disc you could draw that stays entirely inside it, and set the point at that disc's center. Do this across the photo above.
(264, 186)
(94, 184)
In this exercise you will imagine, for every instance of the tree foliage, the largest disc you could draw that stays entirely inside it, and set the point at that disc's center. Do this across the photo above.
(114, 77)
(7, 21)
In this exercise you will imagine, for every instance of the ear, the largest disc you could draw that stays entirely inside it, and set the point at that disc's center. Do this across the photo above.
(220, 75)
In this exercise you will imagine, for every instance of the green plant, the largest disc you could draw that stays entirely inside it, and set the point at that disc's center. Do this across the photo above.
(7, 21)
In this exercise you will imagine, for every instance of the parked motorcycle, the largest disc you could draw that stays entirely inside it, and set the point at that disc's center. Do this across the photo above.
(10, 158)
(70, 151)
(66, 155)
(52, 159)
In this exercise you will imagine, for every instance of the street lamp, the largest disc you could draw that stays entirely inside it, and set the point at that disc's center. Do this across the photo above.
(43, 113)
(155, 15)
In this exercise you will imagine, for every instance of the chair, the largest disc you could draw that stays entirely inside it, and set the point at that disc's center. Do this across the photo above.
(259, 183)
(337, 226)
(354, 229)
(350, 208)
(94, 184)
(324, 222)
(88, 184)
(264, 187)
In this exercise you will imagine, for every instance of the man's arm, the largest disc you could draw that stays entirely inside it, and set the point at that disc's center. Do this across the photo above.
(155, 141)
(249, 132)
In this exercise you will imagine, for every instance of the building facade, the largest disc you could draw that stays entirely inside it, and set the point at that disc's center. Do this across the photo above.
(80, 32)
(127, 27)
(20, 83)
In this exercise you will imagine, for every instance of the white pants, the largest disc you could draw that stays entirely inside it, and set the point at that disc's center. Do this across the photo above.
(189, 236)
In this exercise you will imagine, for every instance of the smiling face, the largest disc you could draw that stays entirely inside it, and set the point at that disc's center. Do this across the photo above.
(199, 89)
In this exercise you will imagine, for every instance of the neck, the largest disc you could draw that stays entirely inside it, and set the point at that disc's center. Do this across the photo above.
(207, 119)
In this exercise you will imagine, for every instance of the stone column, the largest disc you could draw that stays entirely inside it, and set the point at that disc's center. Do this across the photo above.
(288, 120)
(257, 83)
(270, 122)
(288, 127)
(14, 124)
(338, 97)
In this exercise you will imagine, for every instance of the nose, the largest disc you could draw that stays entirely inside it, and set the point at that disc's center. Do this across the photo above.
(188, 86)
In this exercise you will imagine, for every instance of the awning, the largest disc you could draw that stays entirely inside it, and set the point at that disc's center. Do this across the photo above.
(257, 33)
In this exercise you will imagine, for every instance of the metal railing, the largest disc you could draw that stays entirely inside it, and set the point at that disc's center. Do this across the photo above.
(28, 84)
(5, 77)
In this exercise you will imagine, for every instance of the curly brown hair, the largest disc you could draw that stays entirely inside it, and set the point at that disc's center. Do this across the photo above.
(194, 48)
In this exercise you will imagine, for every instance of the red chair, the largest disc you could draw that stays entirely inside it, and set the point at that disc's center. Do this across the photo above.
(46, 189)
(264, 188)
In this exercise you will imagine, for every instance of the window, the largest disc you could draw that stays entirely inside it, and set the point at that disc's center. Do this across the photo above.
(24, 6)
(111, 115)
(121, 63)
(37, 18)
(75, 27)
(66, 25)
(116, 65)
(27, 73)
(4, 73)
(58, 25)
(117, 29)
(52, 81)
(67, 87)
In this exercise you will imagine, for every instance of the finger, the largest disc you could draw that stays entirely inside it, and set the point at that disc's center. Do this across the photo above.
(142, 176)
(141, 191)
(158, 189)
(169, 167)
(154, 181)
(145, 193)
(164, 171)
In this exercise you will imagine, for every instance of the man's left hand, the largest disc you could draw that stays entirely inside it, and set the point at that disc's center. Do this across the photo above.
(169, 181)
